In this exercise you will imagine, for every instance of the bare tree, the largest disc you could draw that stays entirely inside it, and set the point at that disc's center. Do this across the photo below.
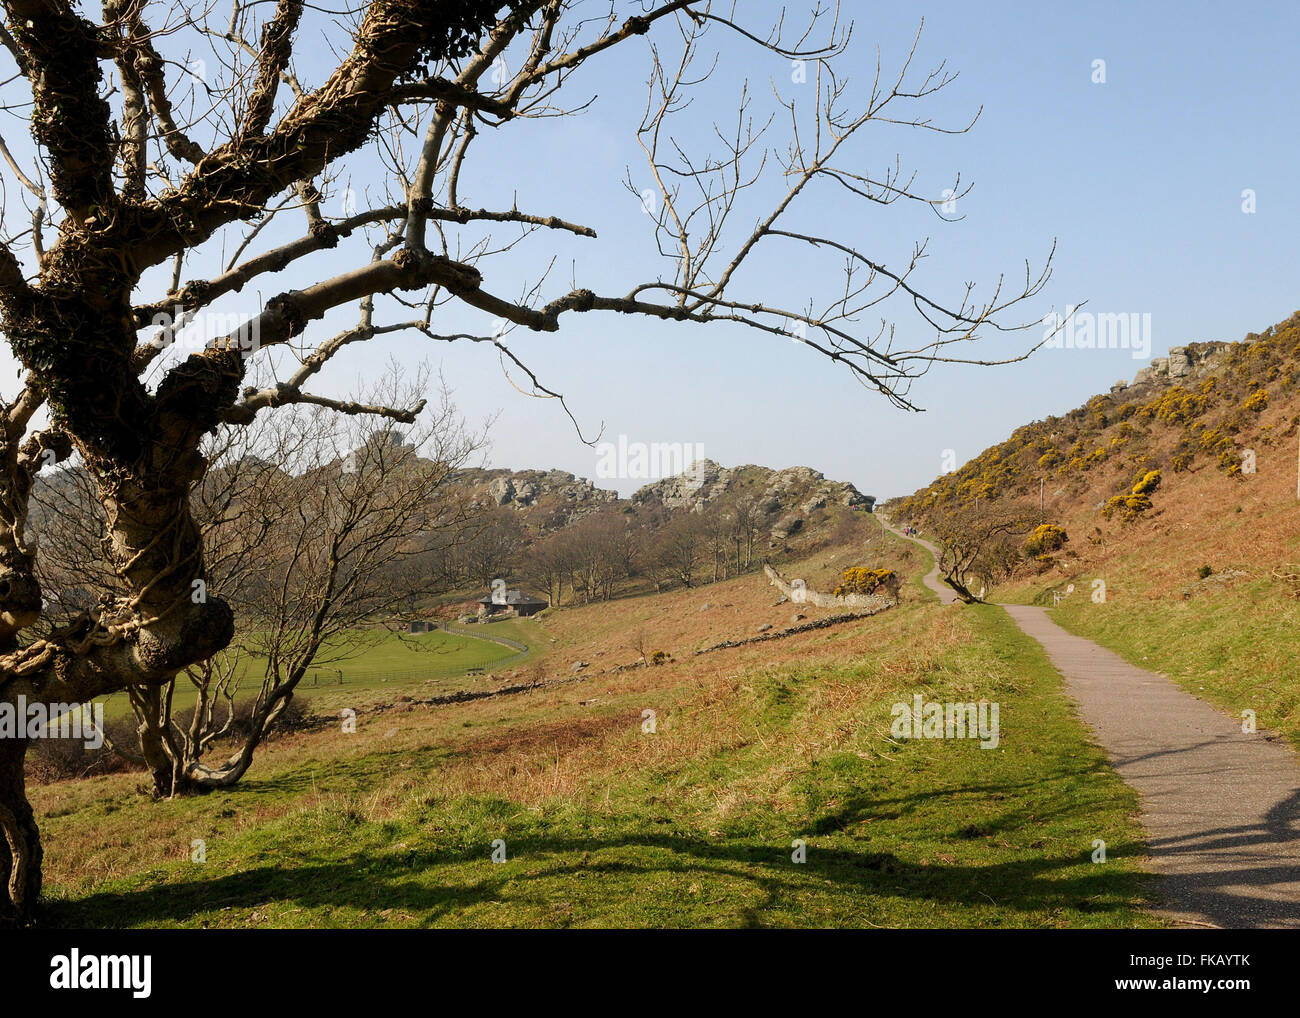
(970, 542)
(652, 558)
(548, 563)
(681, 546)
(171, 155)
(314, 530)
(717, 525)
(490, 552)
(600, 553)
(748, 520)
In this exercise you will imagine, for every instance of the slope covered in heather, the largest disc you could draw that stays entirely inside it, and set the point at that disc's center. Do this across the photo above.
(1200, 584)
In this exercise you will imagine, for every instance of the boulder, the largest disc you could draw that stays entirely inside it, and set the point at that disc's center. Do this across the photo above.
(787, 526)
(502, 490)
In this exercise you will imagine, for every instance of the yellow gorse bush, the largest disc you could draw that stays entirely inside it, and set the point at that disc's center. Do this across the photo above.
(1047, 538)
(861, 580)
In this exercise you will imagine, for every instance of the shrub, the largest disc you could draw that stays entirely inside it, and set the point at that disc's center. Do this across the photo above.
(1046, 539)
(1257, 402)
(860, 580)
(1147, 483)
(1130, 507)
(1177, 406)
(1204, 571)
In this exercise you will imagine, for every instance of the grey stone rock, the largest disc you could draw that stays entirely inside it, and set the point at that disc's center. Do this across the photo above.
(787, 526)
(1180, 363)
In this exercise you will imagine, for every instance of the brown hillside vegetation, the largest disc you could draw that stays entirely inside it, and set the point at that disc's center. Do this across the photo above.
(1223, 442)
(1187, 572)
(1242, 399)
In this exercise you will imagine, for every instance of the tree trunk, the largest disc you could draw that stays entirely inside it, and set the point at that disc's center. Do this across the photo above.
(153, 746)
(20, 843)
(962, 591)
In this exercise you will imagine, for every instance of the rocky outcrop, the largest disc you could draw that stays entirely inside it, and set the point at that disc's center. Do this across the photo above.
(692, 489)
(788, 501)
(1184, 364)
(786, 526)
(787, 497)
(525, 489)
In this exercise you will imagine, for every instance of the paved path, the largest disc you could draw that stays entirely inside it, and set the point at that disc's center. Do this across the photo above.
(1221, 808)
(931, 579)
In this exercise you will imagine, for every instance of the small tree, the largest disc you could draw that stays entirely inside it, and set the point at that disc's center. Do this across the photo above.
(314, 526)
(966, 539)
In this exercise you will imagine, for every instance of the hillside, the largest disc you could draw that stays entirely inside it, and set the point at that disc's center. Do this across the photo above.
(1191, 578)
(1215, 420)
(1206, 407)
(605, 820)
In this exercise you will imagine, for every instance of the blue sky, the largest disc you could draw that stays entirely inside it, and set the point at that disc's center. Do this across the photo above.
(1139, 181)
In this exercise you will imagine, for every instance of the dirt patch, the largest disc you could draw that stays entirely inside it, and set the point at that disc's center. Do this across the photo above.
(558, 735)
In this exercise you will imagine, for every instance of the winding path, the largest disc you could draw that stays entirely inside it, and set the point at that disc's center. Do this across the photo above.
(1221, 807)
(931, 579)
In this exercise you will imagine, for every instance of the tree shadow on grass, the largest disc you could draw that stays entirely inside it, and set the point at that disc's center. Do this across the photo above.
(635, 863)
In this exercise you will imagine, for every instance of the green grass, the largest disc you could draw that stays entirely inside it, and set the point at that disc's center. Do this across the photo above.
(692, 826)
(369, 661)
(916, 581)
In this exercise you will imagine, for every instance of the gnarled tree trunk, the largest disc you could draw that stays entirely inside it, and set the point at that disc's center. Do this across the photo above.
(20, 843)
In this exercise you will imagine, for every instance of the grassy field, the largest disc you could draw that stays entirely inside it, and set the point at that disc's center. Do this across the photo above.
(605, 824)
(376, 666)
